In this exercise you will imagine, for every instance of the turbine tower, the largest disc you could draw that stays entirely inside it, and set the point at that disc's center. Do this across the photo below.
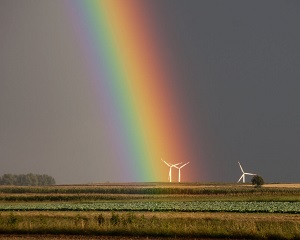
(170, 166)
(243, 175)
(179, 170)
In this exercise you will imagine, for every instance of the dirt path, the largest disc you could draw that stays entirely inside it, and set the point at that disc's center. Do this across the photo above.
(53, 237)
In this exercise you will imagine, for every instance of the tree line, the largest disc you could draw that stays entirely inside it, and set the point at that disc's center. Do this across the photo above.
(29, 179)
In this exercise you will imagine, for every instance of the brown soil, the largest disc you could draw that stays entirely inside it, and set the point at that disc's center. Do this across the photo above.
(53, 237)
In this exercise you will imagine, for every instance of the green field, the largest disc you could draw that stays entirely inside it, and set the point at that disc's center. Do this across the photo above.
(160, 210)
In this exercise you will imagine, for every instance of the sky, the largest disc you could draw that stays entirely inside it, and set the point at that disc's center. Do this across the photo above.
(237, 68)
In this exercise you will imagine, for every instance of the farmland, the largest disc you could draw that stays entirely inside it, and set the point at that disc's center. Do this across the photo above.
(153, 209)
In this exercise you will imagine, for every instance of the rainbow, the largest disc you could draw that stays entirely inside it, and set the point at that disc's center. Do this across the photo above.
(129, 71)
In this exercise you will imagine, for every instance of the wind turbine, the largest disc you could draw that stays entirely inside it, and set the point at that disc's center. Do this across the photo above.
(179, 170)
(243, 175)
(170, 166)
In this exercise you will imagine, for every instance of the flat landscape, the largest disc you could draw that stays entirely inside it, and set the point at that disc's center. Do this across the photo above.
(151, 210)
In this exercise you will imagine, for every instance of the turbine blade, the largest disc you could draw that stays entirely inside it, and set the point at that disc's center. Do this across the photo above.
(166, 163)
(184, 164)
(241, 167)
(240, 178)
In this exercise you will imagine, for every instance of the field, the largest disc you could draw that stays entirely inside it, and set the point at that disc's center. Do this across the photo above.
(151, 210)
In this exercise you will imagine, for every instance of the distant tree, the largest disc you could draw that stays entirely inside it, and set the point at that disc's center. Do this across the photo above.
(8, 179)
(42, 180)
(21, 180)
(46, 180)
(29, 179)
(257, 180)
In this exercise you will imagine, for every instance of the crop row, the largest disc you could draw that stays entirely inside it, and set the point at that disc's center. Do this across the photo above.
(130, 190)
(195, 190)
(193, 206)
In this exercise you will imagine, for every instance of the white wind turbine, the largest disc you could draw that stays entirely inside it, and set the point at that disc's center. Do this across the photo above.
(243, 175)
(170, 166)
(179, 170)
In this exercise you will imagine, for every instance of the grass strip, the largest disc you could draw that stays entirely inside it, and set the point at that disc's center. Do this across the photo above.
(91, 197)
(150, 224)
(156, 189)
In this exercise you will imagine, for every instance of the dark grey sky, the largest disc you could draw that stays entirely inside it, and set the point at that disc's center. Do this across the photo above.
(241, 70)
(238, 71)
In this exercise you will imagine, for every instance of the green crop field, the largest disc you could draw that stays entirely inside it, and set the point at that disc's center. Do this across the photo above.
(174, 206)
(156, 210)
